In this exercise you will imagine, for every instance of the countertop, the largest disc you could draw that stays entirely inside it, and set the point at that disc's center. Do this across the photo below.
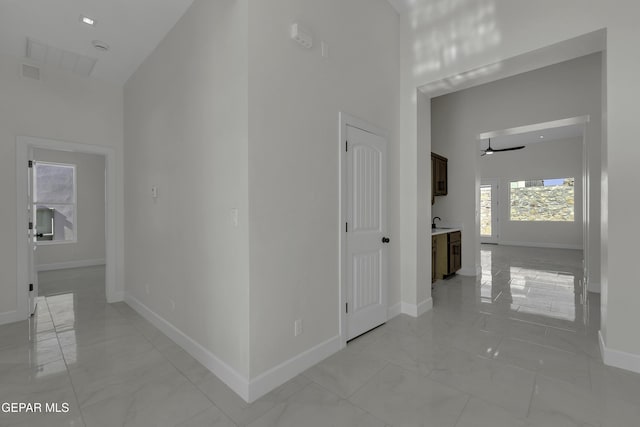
(436, 231)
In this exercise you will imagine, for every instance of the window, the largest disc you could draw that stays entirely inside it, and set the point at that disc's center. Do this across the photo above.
(54, 200)
(542, 200)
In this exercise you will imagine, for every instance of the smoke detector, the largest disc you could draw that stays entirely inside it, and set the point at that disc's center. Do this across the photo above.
(100, 45)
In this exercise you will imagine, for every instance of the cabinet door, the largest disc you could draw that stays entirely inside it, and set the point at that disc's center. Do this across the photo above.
(441, 182)
(455, 252)
(433, 180)
(434, 257)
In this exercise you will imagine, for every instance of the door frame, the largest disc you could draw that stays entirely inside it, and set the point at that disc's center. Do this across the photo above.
(345, 120)
(113, 290)
(495, 211)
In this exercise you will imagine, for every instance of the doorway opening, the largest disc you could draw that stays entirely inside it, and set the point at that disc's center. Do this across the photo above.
(66, 214)
(489, 212)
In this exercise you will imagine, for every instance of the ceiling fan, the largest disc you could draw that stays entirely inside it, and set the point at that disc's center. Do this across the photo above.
(490, 150)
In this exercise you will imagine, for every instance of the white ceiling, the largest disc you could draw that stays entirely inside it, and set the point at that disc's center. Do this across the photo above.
(401, 5)
(132, 29)
(522, 136)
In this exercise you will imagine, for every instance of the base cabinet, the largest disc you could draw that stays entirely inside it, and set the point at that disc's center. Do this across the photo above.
(446, 255)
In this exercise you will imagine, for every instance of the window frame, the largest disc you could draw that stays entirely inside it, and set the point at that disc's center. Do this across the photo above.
(512, 180)
(74, 203)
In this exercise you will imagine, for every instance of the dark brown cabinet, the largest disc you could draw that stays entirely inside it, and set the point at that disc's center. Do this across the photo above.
(439, 184)
(434, 244)
(446, 255)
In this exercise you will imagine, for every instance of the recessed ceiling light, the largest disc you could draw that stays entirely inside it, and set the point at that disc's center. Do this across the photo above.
(541, 136)
(87, 20)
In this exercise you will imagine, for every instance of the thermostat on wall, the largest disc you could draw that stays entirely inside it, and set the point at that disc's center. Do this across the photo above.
(301, 35)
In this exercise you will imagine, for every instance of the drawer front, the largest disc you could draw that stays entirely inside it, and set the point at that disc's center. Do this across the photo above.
(456, 236)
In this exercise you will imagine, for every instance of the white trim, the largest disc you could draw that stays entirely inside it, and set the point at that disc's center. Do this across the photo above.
(418, 310)
(345, 119)
(470, 272)
(71, 264)
(236, 381)
(114, 288)
(55, 242)
(617, 358)
(541, 245)
(394, 311)
(9, 317)
(287, 370)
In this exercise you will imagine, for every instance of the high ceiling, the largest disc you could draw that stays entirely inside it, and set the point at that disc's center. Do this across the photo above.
(557, 130)
(401, 5)
(131, 28)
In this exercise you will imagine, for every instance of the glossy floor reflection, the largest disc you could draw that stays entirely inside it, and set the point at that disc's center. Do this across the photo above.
(515, 346)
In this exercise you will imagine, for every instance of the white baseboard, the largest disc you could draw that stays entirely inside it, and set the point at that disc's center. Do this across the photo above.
(236, 381)
(394, 310)
(287, 370)
(9, 317)
(541, 245)
(470, 272)
(248, 390)
(71, 264)
(417, 310)
(617, 358)
(117, 297)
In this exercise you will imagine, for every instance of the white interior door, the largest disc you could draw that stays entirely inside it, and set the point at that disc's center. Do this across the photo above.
(31, 237)
(489, 211)
(367, 255)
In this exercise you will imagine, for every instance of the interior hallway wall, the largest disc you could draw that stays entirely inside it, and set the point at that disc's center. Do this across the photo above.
(295, 97)
(186, 129)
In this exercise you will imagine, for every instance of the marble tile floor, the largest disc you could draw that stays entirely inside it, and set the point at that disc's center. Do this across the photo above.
(515, 346)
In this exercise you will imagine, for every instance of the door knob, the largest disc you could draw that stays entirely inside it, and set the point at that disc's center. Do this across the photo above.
(385, 240)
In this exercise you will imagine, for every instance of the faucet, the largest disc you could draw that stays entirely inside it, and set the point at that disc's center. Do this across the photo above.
(433, 221)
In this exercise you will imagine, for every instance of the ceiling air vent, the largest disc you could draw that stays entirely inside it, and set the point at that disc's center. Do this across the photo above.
(50, 57)
(30, 72)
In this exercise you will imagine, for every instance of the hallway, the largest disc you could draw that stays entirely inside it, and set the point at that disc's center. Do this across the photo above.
(513, 347)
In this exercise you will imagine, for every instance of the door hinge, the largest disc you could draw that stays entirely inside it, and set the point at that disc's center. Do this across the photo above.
(30, 225)
(347, 308)
(346, 227)
(30, 163)
(30, 287)
(346, 146)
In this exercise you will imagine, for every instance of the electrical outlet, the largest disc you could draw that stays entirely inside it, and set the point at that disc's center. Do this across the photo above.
(173, 304)
(297, 327)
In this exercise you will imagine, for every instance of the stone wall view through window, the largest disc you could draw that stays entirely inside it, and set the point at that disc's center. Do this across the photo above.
(542, 200)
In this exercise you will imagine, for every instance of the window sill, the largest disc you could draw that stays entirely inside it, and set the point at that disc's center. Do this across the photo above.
(55, 242)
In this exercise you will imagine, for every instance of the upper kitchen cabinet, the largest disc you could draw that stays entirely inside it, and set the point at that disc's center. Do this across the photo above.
(439, 185)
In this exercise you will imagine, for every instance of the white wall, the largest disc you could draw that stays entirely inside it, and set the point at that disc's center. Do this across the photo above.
(295, 97)
(548, 159)
(90, 226)
(186, 124)
(439, 42)
(60, 106)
